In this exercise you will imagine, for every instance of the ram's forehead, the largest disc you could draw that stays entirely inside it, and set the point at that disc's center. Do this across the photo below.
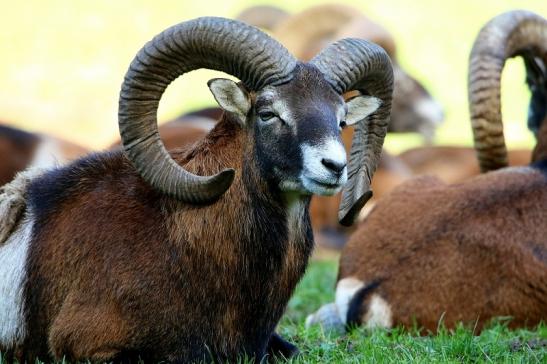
(266, 96)
(287, 101)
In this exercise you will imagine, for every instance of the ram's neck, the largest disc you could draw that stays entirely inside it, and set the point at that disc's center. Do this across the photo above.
(252, 223)
(254, 242)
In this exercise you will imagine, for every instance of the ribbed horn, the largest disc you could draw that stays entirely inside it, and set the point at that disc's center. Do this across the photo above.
(507, 35)
(215, 43)
(355, 64)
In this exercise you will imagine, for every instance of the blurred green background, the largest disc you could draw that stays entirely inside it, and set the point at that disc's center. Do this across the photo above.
(62, 62)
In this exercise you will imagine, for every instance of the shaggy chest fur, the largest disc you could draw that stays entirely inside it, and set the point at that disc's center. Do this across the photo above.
(248, 272)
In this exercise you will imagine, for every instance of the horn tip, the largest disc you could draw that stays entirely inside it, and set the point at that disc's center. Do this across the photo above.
(348, 215)
(225, 178)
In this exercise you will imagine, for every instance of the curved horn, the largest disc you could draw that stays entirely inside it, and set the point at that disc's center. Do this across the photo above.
(215, 43)
(507, 35)
(355, 64)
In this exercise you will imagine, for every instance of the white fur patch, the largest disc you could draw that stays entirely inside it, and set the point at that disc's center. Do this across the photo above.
(48, 154)
(430, 110)
(13, 256)
(279, 105)
(13, 201)
(345, 290)
(295, 215)
(378, 313)
(315, 176)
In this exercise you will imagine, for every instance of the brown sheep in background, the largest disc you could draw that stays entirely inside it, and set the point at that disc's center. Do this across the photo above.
(452, 164)
(20, 149)
(266, 17)
(431, 252)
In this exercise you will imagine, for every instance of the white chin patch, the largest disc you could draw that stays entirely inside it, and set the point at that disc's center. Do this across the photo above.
(316, 177)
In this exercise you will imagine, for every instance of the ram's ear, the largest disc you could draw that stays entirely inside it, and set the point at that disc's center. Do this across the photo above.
(361, 107)
(231, 97)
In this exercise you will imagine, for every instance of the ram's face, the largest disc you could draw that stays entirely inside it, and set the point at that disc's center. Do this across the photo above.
(297, 128)
(297, 133)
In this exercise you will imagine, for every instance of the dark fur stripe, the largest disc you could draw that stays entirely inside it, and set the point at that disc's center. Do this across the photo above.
(356, 307)
(541, 166)
(17, 136)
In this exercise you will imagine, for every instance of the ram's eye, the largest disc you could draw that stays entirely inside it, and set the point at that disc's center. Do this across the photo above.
(266, 115)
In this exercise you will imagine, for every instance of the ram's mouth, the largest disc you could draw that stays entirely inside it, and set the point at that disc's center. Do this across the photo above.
(321, 187)
(325, 184)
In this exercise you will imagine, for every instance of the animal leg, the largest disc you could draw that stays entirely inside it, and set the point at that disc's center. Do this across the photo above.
(279, 347)
(81, 332)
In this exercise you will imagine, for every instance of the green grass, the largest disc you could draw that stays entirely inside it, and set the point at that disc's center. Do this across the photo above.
(497, 344)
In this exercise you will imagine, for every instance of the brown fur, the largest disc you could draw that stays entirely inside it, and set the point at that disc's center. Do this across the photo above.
(159, 273)
(177, 135)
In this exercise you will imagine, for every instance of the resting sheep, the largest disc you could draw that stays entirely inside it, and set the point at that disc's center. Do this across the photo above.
(431, 252)
(20, 149)
(452, 164)
(193, 256)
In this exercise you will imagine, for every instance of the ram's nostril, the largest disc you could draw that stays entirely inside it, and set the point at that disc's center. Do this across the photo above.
(335, 166)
